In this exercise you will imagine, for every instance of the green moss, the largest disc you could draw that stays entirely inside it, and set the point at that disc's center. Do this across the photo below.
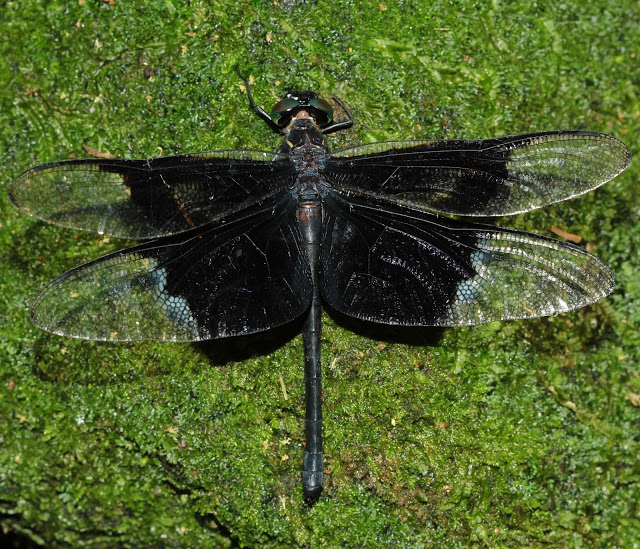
(509, 434)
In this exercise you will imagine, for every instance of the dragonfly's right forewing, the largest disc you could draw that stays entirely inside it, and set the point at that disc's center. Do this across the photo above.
(482, 177)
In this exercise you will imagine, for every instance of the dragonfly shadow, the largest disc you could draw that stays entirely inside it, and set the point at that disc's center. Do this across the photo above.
(428, 336)
(220, 352)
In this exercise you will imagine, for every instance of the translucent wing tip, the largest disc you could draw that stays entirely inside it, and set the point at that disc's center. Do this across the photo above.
(623, 155)
(626, 153)
(32, 191)
(15, 190)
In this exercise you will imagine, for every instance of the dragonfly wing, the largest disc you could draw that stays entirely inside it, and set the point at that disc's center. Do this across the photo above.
(490, 177)
(244, 275)
(385, 263)
(142, 199)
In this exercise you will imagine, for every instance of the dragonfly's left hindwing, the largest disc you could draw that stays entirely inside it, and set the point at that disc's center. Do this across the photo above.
(241, 276)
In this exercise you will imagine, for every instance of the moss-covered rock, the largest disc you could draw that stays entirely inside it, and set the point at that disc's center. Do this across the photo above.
(510, 434)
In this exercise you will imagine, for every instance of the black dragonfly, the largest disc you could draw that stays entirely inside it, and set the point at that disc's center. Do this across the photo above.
(241, 241)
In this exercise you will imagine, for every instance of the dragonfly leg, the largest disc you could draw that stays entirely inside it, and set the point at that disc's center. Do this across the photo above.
(261, 112)
(340, 125)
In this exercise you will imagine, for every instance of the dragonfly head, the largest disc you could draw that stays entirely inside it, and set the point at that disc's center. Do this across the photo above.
(295, 102)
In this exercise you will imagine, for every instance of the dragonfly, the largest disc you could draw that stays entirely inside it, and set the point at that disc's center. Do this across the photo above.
(235, 242)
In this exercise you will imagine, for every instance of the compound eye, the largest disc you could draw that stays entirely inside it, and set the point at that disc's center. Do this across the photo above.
(283, 107)
(323, 106)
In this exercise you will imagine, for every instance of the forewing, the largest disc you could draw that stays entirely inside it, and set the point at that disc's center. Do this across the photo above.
(386, 263)
(488, 177)
(142, 199)
(242, 276)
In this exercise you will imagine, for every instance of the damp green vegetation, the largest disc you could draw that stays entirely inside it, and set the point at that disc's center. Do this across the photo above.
(505, 435)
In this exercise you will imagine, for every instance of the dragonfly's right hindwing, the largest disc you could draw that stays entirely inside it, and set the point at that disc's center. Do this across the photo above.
(385, 263)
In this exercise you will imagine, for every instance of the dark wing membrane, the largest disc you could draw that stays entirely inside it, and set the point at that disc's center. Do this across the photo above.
(488, 177)
(150, 198)
(242, 276)
(386, 263)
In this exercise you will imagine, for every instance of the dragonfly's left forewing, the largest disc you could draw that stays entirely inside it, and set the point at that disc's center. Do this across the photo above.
(150, 198)
(241, 276)
(386, 263)
(489, 177)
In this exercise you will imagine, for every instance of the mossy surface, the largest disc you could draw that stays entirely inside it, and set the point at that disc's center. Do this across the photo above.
(509, 434)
